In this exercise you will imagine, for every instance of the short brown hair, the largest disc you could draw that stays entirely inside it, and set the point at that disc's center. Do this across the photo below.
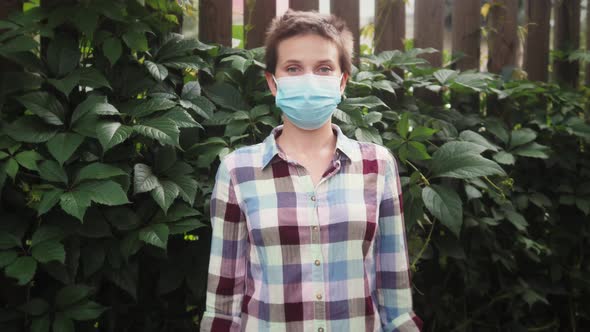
(294, 23)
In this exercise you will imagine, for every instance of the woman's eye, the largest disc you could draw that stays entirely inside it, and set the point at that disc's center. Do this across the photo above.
(291, 69)
(325, 69)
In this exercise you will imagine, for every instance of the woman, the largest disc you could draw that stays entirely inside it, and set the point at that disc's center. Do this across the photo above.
(308, 230)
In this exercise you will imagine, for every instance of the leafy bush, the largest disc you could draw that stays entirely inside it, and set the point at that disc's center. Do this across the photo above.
(113, 126)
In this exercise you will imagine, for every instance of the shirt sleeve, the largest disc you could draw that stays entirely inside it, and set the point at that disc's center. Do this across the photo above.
(227, 263)
(393, 285)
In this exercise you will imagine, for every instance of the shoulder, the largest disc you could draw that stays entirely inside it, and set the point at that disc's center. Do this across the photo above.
(244, 156)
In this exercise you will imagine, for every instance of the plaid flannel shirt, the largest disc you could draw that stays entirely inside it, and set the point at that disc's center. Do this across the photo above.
(288, 256)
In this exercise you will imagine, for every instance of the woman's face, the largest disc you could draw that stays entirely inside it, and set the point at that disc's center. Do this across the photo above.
(306, 54)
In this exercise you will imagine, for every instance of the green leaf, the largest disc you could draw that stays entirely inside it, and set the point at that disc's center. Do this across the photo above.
(45, 106)
(370, 102)
(226, 96)
(111, 133)
(161, 129)
(50, 198)
(462, 160)
(504, 158)
(145, 107)
(144, 179)
(93, 78)
(28, 159)
(185, 225)
(22, 269)
(155, 234)
(30, 129)
(516, 219)
(63, 145)
(71, 294)
(66, 84)
(403, 125)
(8, 240)
(97, 171)
(35, 307)
(75, 203)
(112, 49)
(52, 171)
(187, 186)
(422, 133)
(157, 71)
(181, 118)
(104, 192)
(41, 324)
(473, 137)
(413, 151)
(236, 128)
(444, 75)
(48, 251)
(85, 311)
(445, 205)
(62, 323)
(11, 168)
(21, 43)
(7, 257)
(522, 136)
(368, 135)
(63, 55)
(47, 233)
(136, 41)
(191, 90)
(532, 150)
(165, 193)
(94, 104)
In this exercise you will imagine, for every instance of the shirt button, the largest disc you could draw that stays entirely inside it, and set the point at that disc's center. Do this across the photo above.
(313, 198)
(317, 262)
(318, 296)
(315, 228)
(320, 329)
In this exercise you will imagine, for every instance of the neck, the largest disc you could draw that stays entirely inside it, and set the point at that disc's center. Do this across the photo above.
(295, 140)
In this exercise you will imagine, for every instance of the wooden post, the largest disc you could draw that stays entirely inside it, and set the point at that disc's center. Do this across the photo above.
(304, 4)
(567, 38)
(259, 17)
(349, 11)
(466, 33)
(390, 25)
(215, 21)
(428, 28)
(503, 41)
(536, 50)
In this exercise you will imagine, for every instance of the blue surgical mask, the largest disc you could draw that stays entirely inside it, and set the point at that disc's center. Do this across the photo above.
(308, 100)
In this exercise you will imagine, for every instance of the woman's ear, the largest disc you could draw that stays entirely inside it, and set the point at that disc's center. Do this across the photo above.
(343, 82)
(271, 83)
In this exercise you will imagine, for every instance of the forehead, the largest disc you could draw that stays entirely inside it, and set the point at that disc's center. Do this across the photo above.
(306, 48)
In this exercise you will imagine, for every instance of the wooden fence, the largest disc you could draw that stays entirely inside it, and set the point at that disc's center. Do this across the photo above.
(215, 24)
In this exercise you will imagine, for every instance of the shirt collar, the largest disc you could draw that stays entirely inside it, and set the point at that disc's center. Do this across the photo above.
(344, 144)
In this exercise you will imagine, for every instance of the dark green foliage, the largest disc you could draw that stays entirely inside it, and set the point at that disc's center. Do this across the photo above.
(112, 130)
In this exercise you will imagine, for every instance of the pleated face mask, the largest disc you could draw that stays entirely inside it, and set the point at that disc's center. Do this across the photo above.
(308, 100)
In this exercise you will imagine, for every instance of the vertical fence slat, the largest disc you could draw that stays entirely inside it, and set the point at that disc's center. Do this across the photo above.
(390, 25)
(467, 33)
(429, 27)
(536, 50)
(349, 11)
(304, 4)
(567, 37)
(259, 17)
(503, 40)
(215, 21)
